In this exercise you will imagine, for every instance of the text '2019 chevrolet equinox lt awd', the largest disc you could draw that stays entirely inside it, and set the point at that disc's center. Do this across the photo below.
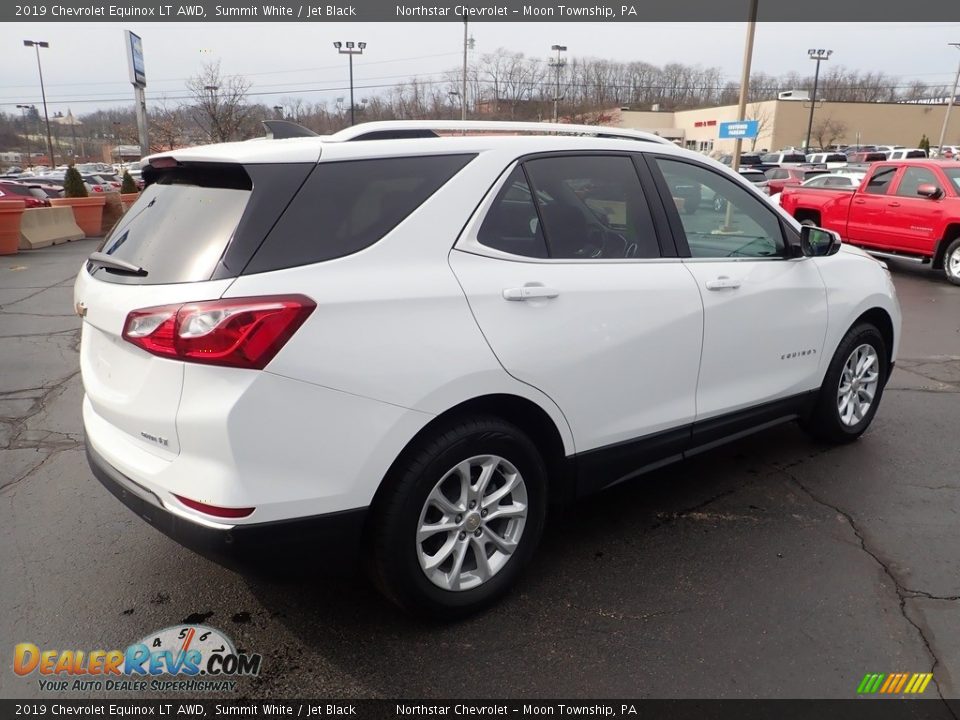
(409, 339)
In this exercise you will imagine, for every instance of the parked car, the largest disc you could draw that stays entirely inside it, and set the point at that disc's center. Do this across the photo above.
(906, 154)
(408, 349)
(908, 209)
(756, 177)
(835, 180)
(866, 156)
(831, 160)
(33, 197)
(848, 180)
(51, 180)
(784, 158)
(780, 177)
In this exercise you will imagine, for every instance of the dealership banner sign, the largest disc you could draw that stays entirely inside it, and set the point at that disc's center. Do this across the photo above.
(861, 11)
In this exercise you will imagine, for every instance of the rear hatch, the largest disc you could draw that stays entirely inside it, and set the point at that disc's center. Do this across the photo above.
(189, 234)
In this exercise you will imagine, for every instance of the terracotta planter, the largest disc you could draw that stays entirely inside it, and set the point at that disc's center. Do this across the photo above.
(88, 212)
(128, 199)
(10, 213)
(112, 211)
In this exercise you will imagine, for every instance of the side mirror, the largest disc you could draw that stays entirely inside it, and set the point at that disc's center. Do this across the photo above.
(928, 190)
(817, 242)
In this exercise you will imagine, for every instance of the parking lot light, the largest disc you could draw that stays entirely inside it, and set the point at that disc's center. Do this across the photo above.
(36, 45)
(557, 65)
(350, 49)
(818, 55)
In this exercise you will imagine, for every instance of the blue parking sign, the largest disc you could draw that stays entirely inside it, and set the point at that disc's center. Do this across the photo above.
(740, 129)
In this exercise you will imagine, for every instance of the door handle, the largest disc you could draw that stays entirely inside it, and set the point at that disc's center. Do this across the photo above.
(893, 204)
(528, 292)
(723, 283)
(860, 202)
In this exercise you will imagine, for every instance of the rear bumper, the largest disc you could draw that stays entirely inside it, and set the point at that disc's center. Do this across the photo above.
(330, 541)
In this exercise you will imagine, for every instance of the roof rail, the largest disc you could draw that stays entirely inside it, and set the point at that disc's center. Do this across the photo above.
(419, 128)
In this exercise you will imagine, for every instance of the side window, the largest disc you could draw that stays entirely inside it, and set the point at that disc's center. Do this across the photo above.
(880, 181)
(593, 207)
(344, 207)
(912, 179)
(512, 224)
(734, 223)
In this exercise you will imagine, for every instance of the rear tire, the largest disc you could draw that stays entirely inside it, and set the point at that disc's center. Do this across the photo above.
(951, 262)
(431, 509)
(852, 388)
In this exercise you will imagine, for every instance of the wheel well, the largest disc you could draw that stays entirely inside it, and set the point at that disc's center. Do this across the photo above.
(879, 318)
(802, 215)
(950, 234)
(523, 413)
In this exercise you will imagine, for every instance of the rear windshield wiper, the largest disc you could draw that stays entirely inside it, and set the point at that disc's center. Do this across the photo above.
(99, 259)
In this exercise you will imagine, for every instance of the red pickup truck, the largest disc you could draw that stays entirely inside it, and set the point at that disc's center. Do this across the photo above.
(908, 209)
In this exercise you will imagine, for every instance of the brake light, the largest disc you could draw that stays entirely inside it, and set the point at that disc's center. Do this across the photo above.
(235, 332)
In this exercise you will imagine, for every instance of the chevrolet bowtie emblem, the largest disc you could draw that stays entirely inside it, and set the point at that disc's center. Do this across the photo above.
(80, 308)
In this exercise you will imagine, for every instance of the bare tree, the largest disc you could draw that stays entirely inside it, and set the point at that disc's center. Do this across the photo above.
(167, 126)
(220, 102)
(761, 113)
(827, 131)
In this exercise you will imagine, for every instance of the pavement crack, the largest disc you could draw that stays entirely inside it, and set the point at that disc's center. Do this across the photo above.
(41, 290)
(24, 437)
(903, 593)
(6, 486)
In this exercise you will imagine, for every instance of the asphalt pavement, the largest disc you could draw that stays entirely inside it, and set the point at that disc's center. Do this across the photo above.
(772, 567)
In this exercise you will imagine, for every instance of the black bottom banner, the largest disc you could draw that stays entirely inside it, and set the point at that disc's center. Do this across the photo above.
(866, 708)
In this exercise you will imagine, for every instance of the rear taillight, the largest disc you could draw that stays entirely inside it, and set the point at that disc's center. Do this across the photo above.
(237, 332)
(216, 510)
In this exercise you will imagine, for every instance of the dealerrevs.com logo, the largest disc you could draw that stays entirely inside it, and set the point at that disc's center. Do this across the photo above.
(184, 658)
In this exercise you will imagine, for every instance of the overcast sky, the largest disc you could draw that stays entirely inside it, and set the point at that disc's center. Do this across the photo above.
(85, 67)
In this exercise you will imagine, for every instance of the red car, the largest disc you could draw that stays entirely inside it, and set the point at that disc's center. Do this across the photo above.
(779, 177)
(908, 209)
(33, 196)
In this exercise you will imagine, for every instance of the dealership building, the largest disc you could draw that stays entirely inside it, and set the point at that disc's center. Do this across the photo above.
(783, 124)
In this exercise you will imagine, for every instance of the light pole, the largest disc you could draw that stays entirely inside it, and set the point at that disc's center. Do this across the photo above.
(350, 49)
(557, 65)
(26, 129)
(36, 45)
(463, 90)
(819, 56)
(946, 119)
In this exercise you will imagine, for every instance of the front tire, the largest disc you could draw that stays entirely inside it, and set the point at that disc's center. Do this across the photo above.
(460, 517)
(852, 388)
(951, 262)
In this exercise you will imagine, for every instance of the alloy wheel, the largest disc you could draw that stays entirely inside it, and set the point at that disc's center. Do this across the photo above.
(858, 385)
(471, 522)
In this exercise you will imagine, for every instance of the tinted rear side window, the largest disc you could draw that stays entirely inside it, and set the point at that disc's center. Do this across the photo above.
(344, 207)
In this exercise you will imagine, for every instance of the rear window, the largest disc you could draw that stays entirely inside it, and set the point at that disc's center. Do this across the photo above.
(344, 207)
(794, 158)
(180, 225)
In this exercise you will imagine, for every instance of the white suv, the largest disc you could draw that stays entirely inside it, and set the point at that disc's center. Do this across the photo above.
(409, 339)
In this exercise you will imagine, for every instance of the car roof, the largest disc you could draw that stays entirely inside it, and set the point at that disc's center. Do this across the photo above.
(349, 143)
(923, 162)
